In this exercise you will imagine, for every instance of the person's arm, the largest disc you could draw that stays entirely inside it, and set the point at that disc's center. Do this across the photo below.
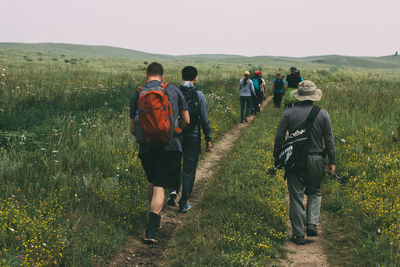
(133, 111)
(131, 126)
(183, 110)
(329, 143)
(284, 86)
(280, 135)
(253, 92)
(204, 121)
(273, 86)
(185, 118)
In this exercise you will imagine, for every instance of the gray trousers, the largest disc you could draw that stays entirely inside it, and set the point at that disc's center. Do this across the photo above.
(305, 182)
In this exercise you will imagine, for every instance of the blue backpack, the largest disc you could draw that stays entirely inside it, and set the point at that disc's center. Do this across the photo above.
(256, 84)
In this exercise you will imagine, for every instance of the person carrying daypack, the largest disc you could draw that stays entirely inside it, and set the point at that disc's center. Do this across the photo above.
(293, 79)
(258, 84)
(154, 112)
(278, 89)
(191, 136)
(306, 177)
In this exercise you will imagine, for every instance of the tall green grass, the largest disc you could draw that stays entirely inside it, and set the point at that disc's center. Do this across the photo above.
(65, 143)
(360, 218)
(242, 214)
(71, 184)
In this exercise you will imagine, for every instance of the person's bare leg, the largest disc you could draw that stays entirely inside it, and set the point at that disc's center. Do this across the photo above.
(149, 191)
(157, 201)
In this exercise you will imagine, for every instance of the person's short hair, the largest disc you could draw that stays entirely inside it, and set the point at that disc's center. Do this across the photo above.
(189, 73)
(155, 69)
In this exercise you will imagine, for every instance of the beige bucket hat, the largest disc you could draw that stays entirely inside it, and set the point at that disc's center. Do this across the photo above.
(307, 90)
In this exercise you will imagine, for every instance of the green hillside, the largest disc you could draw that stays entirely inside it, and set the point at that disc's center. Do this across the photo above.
(88, 51)
(73, 50)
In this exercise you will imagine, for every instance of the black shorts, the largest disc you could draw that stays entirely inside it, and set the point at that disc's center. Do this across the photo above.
(162, 168)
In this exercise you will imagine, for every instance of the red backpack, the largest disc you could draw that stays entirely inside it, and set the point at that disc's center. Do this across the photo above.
(155, 116)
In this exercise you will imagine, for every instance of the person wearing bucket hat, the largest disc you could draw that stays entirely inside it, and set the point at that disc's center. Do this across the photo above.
(246, 89)
(304, 220)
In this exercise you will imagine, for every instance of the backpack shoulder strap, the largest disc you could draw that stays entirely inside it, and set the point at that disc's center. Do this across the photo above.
(164, 86)
(312, 116)
(139, 89)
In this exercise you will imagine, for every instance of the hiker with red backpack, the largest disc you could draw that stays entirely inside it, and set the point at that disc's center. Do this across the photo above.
(158, 113)
(278, 89)
(191, 136)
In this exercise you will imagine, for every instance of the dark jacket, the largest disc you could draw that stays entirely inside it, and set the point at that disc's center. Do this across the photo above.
(321, 131)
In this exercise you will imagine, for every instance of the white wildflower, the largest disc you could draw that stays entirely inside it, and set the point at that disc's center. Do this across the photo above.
(343, 141)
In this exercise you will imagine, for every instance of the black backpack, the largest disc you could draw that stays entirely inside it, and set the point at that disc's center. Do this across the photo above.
(278, 84)
(192, 99)
(295, 148)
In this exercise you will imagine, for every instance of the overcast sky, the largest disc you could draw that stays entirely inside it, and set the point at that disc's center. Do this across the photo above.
(258, 27)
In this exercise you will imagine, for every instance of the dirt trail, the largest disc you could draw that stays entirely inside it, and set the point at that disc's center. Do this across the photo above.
(311, 254)
(135, 252)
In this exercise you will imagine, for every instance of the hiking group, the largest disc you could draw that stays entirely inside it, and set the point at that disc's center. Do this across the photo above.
(167, 122)
(252, 93)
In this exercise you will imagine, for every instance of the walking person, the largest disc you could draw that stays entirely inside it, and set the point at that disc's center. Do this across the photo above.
(191, 136)
(160, 157)
(278, 89)
(293, 79)
(306, 180)
(259, 88)
(246, 89)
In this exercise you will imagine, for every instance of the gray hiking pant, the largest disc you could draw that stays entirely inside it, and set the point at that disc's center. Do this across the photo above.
(305, 182)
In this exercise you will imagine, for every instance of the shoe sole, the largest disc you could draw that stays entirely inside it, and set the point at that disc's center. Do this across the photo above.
(149, 240)
(185, 210)
(297, 242)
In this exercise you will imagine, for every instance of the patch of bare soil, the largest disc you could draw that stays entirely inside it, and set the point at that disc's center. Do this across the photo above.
(135, 252)
(310, 254)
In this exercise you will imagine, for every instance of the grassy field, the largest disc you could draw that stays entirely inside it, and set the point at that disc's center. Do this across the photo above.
(72, 188)
(242, 215)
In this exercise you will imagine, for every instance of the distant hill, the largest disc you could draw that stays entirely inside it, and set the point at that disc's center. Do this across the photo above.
(73, 50)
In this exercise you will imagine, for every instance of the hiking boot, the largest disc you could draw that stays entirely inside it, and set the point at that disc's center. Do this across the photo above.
(185, 207)
(154, 222)
(246, 120)
(171, 199)
(298, 240)
(150, 236)
(311, 230)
